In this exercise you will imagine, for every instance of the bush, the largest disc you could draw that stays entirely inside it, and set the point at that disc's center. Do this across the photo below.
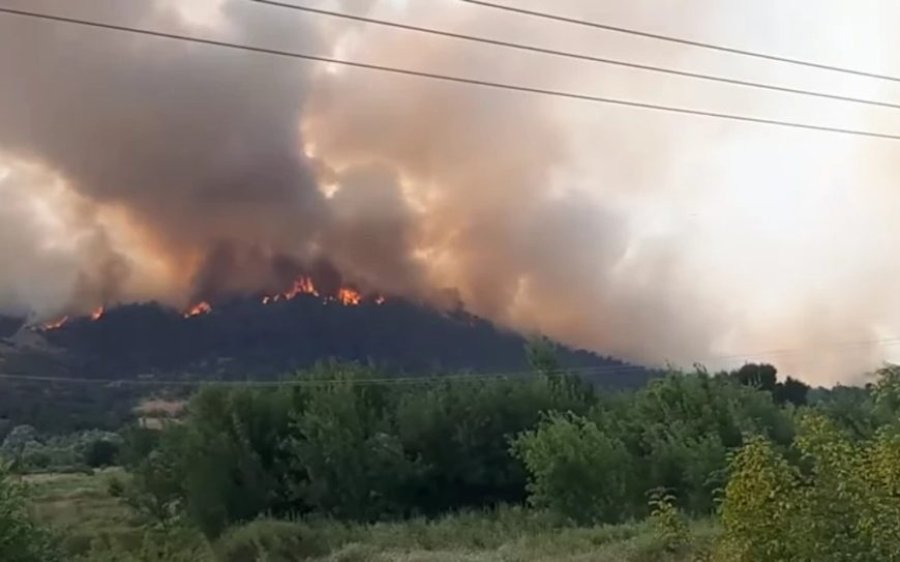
(841, 503)
(575, 469)
(100, 453)
(670, 525)
(270, 540)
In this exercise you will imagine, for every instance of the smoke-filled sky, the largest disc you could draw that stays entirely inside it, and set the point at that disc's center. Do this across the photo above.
(136, 168)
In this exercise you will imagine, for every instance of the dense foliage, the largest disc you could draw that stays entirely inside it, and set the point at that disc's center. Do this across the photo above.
(788, 474)
(831, 497)
(29, 451)
(346, 442)
(57, 407)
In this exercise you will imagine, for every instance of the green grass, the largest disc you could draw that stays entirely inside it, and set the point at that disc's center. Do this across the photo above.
(80, 507)
(504, 536)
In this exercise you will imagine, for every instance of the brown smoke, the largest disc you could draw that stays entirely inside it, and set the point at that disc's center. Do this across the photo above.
(198, 147)
(135, 168)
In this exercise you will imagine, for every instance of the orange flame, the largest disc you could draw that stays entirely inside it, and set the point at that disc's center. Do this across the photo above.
(302, 286)
(98, 313)
(55, 325)
(198, 309)
(349, 297)
(305, 286)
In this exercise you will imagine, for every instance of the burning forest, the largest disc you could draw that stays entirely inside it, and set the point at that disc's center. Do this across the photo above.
(344, 295)
(211, 175)
(191, 174)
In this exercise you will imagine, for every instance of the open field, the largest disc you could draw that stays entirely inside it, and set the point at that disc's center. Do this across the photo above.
(80, 507)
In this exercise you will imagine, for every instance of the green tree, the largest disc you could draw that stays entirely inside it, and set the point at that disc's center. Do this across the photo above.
(575, 469)
(232, 459)
(851, 408)
(762, 376)
(680, 428)
(886, 393)
(759, 513)
(839, 503)
(223, 464)
(346, 460)
(460, 431)
(101, 452)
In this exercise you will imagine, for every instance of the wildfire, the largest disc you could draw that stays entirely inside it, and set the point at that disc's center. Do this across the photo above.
(302, 286)
(198, 310)
(346, 296)
(57, 324)
(349, 297)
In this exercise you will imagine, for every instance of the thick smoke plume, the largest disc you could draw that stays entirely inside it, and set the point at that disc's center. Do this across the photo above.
(139, 168)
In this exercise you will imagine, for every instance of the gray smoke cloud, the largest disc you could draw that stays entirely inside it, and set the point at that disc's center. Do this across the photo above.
(135, 168)
(199, 147)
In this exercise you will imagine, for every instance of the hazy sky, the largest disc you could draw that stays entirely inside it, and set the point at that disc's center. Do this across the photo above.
(127, 164)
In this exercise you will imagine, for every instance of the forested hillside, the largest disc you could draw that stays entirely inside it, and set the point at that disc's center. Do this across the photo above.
(244, 339)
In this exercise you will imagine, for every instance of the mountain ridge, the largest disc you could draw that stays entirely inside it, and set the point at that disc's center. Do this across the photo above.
(243, 339)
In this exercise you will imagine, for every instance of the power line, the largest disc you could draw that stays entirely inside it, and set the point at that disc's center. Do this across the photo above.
(583, 57)
(683, 41)
(457, 79)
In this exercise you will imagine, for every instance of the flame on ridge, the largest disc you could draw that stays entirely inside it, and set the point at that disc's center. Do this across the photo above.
(198, 310)
(56, 324)
(346, 296)
(302, 286)
(349, 297)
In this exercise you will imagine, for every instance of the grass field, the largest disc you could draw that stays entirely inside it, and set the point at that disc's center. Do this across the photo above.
(80, 507)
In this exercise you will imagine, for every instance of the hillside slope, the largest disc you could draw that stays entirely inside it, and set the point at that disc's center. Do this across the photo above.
(245, 339)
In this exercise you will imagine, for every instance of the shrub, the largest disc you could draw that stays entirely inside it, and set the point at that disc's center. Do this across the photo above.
(670, 525)
(840, 504)
(575, 469)
(270, 540)
(100, 453)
